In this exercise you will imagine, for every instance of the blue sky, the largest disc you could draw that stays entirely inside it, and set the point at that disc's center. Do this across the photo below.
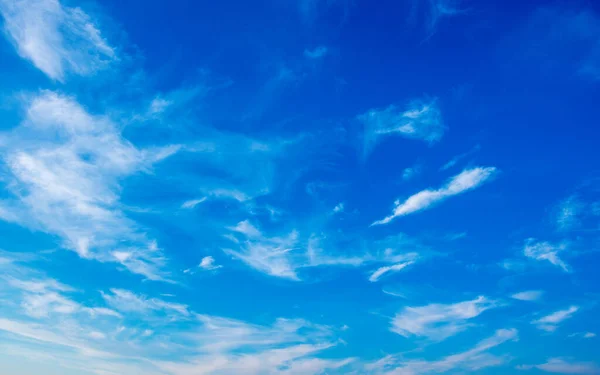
(299, 187)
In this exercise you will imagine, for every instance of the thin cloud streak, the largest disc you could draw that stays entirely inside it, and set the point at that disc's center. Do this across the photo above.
(467, 180)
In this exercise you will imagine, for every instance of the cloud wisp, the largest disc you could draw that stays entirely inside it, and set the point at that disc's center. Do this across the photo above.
(550, 323)
(474, 359)
(55, 38)
(421, 120)
(545, 251)
(565, 366)
(66, 165)
(438, 321)
(467, 180)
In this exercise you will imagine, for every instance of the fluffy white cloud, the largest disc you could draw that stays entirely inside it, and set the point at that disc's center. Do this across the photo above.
(421, 120)
(55, 38)
(545, 251)
(467, 180)
(550, 322)
(208, 263)
(439, 321)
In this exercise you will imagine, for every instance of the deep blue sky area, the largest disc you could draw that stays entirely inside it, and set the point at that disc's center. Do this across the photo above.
(299, 187)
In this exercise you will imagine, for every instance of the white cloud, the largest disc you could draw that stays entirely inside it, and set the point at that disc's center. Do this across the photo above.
(127, 301)
(530, 295)
(583, 335)
(65, 167)
(316, 53)
(55, 38)
(208, 263)
(467, 180)
(564, 366)
(438, 321)
(247, 229)
(469, 361)
(268, 255)
(422, 120)
(550, 322)
(193, 203)
(545, 251)
(375, 276)
(339, 208)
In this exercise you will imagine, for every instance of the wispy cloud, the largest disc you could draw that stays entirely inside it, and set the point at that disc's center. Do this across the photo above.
(438, 321)
(467, 180)
(127, 301)
(316, 53)
(411, 172)
(583, 335)
(564, 366)
(545, 251)
(530, 295)
(568, 211)
(55, 38)
(375, 276)
(65, 167)
(432, 12)
(452, 162)
(421, 120)
(551, 322)
(469, 361)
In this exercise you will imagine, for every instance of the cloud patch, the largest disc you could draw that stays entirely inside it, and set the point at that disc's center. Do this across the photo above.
(467, 180)
(55, 38)
(420, 120)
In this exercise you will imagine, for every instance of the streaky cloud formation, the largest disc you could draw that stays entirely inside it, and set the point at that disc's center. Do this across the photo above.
(530, 295)
(565, 366)
(550, 323)
(471, 360)
(545, 251)
(421, 120)
(438, 321)
(56, 39)
(468, 179)
(65, 167)
(388, 269)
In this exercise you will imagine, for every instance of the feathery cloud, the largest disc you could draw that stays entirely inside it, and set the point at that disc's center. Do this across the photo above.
(550, 323)
(467, 180)
(437, 321)
(565, 366)
(65, 167)
(55, 38)
(545, 251)
(421, 120)
(469, 361)
(375, 276)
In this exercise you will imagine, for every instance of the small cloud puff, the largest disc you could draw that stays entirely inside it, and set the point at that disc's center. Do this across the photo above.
(208, 263)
